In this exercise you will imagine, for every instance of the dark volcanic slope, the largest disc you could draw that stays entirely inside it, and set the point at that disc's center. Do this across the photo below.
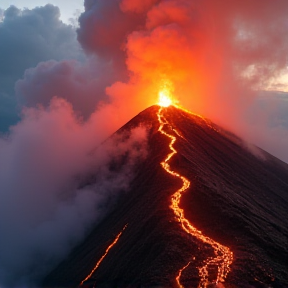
(235, 198)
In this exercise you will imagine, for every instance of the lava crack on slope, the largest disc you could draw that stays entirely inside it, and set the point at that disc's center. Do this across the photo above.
(223, 257)
(104, 255)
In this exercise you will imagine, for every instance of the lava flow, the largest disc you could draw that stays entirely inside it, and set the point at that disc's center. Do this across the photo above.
(223, 257)
(104, 255)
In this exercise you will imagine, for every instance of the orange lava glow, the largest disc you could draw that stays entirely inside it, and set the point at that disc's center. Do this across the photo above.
(164, 99)
(223, 257)
(180, 274)
(106, 252)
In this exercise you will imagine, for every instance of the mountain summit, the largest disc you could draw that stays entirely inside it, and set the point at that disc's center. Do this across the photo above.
(200, 210)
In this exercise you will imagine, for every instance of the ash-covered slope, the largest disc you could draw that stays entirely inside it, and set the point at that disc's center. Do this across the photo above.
(235, 198)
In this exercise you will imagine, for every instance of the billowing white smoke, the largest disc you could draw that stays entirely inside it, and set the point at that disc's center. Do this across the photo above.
(45, 206)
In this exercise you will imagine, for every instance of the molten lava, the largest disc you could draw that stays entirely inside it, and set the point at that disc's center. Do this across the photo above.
(104, 255)
(164, 99)
(223, 257)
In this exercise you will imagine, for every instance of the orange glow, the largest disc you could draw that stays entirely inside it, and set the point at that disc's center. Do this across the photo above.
(165, 93)
(180, 274)
(164, 99)
(223, 257)
(106, 252)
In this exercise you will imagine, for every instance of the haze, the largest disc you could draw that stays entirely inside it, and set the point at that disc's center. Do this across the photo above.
(63, 91)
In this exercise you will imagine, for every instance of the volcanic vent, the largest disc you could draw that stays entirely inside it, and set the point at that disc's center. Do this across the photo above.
(227, 223)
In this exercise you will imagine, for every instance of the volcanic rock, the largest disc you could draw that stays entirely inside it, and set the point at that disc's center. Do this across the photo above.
(236, 198)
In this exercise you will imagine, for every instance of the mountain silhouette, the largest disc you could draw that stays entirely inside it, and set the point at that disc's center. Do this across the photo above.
(236, 198)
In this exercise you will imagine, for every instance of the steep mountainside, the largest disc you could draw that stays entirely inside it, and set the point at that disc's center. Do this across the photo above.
(235, 198)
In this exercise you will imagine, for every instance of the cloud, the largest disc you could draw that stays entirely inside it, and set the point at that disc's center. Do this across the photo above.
(1, 15)
(202, 38)
(137, 6)
(48, 199)
(82, 84)
(245, 42)
(216, 58)
(267, 119)
(53, 187)
(103, 30)
(28, 37)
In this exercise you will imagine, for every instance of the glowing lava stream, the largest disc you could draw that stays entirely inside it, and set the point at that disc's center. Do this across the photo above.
(104, 255)
(223, 257)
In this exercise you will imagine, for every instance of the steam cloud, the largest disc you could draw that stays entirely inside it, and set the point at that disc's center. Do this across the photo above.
(27, 38)
(217, 56)
(43, 211)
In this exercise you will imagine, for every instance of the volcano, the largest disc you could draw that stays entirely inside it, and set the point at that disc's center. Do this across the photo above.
(235, 201)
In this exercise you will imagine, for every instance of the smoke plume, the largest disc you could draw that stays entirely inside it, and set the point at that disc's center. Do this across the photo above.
(46, 204)
(216, 57)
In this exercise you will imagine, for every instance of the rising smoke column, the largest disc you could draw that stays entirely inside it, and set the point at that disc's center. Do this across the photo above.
(216, 55)
(208, 49)
(213, 54)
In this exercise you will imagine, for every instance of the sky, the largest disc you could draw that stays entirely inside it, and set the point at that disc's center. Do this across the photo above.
(64, 89)
(68, 8)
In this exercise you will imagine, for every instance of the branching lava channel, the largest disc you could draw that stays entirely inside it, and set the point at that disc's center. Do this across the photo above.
(223, 257)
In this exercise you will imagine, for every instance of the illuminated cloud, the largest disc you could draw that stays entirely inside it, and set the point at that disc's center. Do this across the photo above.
(215, 56)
